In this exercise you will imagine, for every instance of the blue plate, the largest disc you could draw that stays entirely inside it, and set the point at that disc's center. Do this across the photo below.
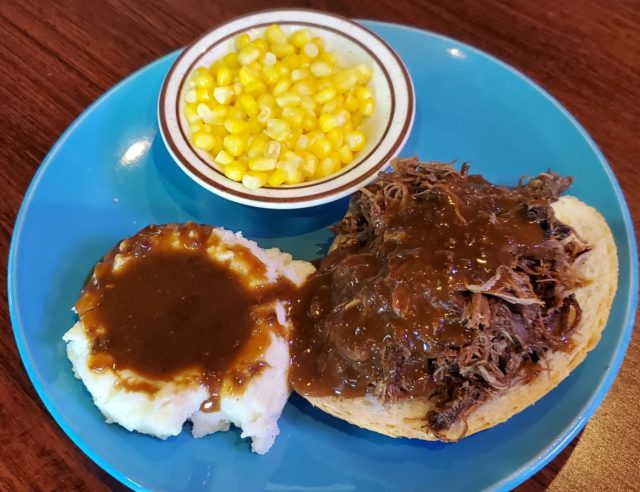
(109, 175)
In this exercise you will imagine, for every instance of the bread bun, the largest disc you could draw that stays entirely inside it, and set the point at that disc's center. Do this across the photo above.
(406, 418)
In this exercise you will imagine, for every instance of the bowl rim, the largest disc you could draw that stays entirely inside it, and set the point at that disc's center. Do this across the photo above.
(325, 193)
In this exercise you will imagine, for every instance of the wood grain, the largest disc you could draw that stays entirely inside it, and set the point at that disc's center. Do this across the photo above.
(57, 57)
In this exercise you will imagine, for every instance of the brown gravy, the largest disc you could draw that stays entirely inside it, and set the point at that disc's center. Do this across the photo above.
(400, 289)
(170, 309)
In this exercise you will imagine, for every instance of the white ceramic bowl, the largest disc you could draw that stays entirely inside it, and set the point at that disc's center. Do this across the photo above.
(387, 130)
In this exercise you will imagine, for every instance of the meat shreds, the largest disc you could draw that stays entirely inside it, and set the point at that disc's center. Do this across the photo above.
(444, 287)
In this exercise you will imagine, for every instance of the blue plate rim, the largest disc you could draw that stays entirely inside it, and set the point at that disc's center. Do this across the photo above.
(510, 481)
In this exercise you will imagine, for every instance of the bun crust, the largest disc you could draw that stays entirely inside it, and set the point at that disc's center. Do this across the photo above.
(599, 268)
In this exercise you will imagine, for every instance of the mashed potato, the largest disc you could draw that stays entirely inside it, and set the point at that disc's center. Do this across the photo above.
(161, 407)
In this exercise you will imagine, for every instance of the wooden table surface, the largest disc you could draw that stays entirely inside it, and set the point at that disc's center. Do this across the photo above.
(57, 57)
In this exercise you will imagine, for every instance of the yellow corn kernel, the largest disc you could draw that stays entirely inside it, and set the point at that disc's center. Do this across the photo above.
(271, 74)
(269, 59)
(323, 83)
(203, 95)
(300, 37)
(328, 122)
(308, 104)
(281, 86)
(367, 107)
(318, 41)
(254, 179)
(204, 112)
(331, 107)
(236, 126)
(258, 146)
(363, 93)
(191, 96)
(231, 60)
(275, 35)
(293, 62)
(248, 105)
(223, 94)
(305, 87)
(293, 116)
(266, 113)
(276, 178)
(278, 129)
(309, 122)
(328, 58)
(191, 113)
(235, 113)
(204, 141)
(224, 75)
(356, 120)
(196, 127)
(291, 157)
(356, 140)
(351, 103)
(320, 69)
(309, 165)
(363, 72)
(256, 88)
(288, 99)
(235, 144)
(248, 54)
(237, 89)
(325, 95)
(203, 78)
(283, 50)
(336, 137)
(292, 173)
(262, 164)
(282, 69)
(235, 170)
(314, 135)
(301, 144)
(272, 150)
(345, 80)
(320, 147)
(310, 50)
(207, 128)
(242, 40)
(299, 74)
(219, 130)
(261, 44)
(247, 75)
(223, 158)
(215, 66)
(327, 166)
(345, 154)
(255, 127)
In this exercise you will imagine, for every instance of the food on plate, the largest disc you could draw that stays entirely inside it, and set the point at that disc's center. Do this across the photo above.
(448, 304)
(188, 322)
(279, 109)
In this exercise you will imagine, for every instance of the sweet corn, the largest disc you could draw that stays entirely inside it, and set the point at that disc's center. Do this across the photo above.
(320, 147)
(356, 140)
(311, 50)
(235, 144)
(276, 178)
(367, 107)
(223, 158)
(300, 38)
(203, 140)
(248, 105)
(203, 78)
(277, 129)
(279, 109)
(224, 75)
(242, 40)
(223, 94)
(235, 170)
(320, 69)
(248, 54)
(254, 179)
(274, 35)
(262, 164)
